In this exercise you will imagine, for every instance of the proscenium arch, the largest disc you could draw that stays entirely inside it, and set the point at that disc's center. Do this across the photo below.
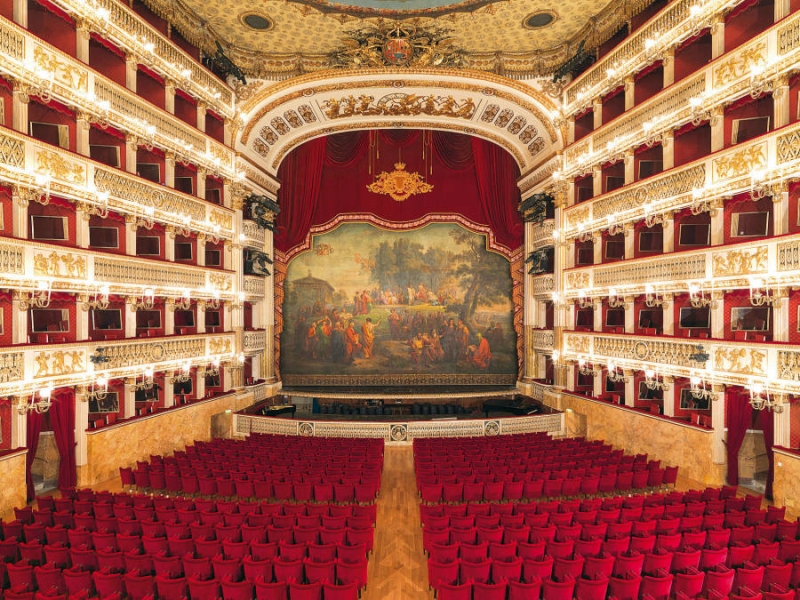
(506, 112)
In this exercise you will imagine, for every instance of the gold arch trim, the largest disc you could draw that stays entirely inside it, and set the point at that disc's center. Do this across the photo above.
(470, 81)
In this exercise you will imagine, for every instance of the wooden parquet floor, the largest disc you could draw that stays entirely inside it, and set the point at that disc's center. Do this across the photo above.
(398, 569)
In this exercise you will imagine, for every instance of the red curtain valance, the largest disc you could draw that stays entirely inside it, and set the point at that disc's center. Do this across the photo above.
(327, 177)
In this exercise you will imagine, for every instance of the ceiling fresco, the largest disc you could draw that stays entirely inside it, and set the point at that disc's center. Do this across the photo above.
(279, 38)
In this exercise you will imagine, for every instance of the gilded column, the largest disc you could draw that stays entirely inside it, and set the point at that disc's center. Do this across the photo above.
(630, 88)
(82, 133)
(717, 310)
(780, 207)
(169, 169)
(201, 115)
(169, 316)
(169, 96)
(597, 113)
(718, 38)
(668, 150)
(20, 199)
(630, 387)
(20, 16)
(668, 225)
(129, 397)
(781, 100)
(669, 395)
(200, 190)
(782, 421)
(131, 148)
(718, 454)
(19, 318)
(19, 423)
(717, 123)
(780, 315)
(131, 69)
(82, 40)
(630, 167)
(630, 240)
(169, 390)
(19, 106)
(81, 422)
(668, 64)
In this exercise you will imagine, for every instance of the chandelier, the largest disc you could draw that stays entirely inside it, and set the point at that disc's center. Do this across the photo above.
(42, 405)
(399, 184)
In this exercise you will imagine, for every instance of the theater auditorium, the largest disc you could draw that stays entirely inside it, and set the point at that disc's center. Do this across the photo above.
(399, 299)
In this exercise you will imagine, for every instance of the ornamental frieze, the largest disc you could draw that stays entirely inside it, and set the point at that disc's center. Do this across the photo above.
(65, 72)
(398, 104)
(12, 260)
(744, 361)
(59, 265)
(789, 365)
(789, 256)
(219, 346)
(12, 367)
(740, 262)
(579, 344)
(740, 163)
(681, 267)
(788, 147)
(220, 282)
(578, 280)
(577, 215)
(122, 354)
(223, 219)
(740, 64)
(12, 42)
(56, 166)
(60, 362)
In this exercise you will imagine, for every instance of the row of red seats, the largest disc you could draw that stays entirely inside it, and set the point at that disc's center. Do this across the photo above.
(472, 489)
(340, 581)
(681, 586)
(364, 491)
(522, 441)
(591, 457)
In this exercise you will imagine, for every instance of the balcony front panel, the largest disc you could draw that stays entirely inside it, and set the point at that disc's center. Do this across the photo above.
(29, 368)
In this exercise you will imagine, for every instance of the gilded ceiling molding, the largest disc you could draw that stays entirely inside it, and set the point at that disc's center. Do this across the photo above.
(275, 62)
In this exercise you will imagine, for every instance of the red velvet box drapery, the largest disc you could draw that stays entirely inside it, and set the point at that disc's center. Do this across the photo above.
(328, 176)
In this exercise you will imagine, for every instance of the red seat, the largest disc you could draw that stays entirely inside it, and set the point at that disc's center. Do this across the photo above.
(108, 584)
(357, 572)
(689, 583)
(591, 588)
(624, 588)
(558, 590)
(489, 591)
(203, 589)
(271, 590)
(139, 587)
(305, 591)
(719, 580)
(349, 591)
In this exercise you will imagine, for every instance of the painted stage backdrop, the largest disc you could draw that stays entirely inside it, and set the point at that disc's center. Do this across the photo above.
(370, 306)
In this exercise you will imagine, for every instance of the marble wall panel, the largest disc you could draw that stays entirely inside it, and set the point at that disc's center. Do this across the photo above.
(162, 433)
(786, 485)
(673, 443)
(12, 474)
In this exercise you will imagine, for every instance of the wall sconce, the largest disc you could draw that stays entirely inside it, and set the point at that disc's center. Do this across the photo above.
(758, 81)
(239, 302)
(38, 298)
(651, 219)
(185, 303)
(614, 226)
(700, 114)
(41, 82)
(615, 375)
(42, 405)
(146, 382)
(759, 189)
(149, 133)
(184, 374)
(760, 293)
(698, 389)
(212, 370)
(101, 209)
(100, 299)
(652, 297)
(697, 297)
(651, 137)
(147, 302)
(145, 220)
(213, 302)
(760, 398)
(41, 192)
(585, 368)
(615, 301)
(213, 235)
(99, 389)
(585, 301)
(653, 382)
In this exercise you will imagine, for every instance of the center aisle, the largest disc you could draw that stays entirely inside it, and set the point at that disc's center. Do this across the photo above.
(397, 568)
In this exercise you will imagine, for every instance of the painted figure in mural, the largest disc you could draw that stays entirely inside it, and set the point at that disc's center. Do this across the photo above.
(352, 344)
(394, 324)
(368, 336)
(338, 348)
(447, 334)
(462, 340)
(482, 354)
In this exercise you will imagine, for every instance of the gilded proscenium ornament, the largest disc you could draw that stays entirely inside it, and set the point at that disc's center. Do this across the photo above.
(398, 104)
(59, 362)
(399, 184)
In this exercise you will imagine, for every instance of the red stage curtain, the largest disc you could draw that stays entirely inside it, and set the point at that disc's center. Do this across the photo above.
(62, 417)
(768, 427)
(346, 149)
(497, 185)
(34, 428)
(453, 150)
(299, 192)
(738, 414)
(327, 177)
